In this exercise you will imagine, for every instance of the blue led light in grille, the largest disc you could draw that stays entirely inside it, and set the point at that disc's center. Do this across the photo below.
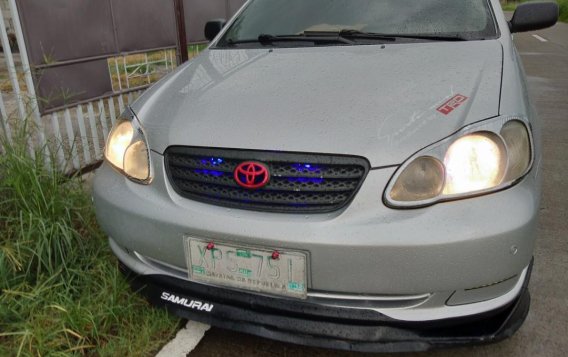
(313, 180)
(213, 161)
(299, 183)
(306, 167)
(210, 173)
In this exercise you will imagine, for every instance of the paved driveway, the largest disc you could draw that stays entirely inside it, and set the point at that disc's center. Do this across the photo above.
(545, 332)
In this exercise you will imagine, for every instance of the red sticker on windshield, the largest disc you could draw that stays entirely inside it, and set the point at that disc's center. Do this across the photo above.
(452, 104)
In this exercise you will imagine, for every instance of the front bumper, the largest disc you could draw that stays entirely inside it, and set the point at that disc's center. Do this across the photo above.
(378, 279)
(316, 325)
(366, 248)
(468, 257)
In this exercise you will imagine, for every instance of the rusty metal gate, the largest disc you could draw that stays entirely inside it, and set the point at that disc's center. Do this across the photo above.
(80, 62)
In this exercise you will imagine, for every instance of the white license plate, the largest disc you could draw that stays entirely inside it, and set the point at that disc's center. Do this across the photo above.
(248, 268)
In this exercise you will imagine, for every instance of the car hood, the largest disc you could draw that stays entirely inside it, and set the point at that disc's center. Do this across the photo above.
(379, 102)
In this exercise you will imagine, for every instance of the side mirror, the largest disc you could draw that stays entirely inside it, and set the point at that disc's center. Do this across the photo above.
(534, 16)
(213, 27)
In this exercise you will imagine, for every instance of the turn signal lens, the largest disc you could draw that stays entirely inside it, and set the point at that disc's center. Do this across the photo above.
(475, 162)
(423, 179)
(136, 163)
(518, 144)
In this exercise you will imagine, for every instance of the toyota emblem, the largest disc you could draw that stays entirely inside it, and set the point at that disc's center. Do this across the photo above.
(252, 175)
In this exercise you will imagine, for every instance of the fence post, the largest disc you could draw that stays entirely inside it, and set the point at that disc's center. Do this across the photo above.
(29, 80)
(12, 73)
(4, 124)
(182, 55)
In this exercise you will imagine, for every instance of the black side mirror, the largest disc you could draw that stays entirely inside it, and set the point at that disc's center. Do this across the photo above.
(534, 16)
(213, 27)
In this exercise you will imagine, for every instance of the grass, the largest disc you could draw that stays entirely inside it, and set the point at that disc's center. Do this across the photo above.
(6, 83)
(512, 5)
(563, 10)
(60, 290)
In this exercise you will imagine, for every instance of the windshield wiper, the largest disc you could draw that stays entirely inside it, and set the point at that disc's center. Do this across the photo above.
(267, 39)
(393, 37)
(365, 35)
(306, 36)
(343, 36)
(433, 37)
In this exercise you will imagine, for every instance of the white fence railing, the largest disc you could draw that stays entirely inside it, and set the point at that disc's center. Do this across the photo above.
(74, 135)
(77, 135)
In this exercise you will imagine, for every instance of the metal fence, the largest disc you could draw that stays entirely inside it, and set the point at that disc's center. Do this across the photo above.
(74, 135)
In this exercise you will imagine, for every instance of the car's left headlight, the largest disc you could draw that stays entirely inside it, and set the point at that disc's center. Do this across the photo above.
(481, 158)
(127, 149)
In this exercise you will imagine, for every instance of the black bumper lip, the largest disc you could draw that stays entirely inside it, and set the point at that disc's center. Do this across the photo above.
(329, 327)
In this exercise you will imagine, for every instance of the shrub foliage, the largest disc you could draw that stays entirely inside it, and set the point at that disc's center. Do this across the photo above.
(60, 289)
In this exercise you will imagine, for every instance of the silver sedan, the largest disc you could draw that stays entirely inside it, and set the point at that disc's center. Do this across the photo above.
(360, 175)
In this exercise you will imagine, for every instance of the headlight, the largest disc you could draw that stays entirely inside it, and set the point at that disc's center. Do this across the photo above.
(481, 158)
(475, 162)
(127, 149)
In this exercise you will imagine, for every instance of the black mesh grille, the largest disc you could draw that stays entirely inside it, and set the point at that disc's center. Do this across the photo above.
(299, 183)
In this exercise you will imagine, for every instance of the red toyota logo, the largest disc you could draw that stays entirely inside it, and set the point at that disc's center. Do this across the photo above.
(252, 175)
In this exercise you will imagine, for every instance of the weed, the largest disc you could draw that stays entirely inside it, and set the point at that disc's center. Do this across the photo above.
(60, 289)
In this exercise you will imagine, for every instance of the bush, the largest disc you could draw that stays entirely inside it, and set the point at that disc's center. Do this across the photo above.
(563, 10)
(60, 289)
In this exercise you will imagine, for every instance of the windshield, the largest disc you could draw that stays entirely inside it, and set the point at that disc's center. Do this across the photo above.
(466, 19)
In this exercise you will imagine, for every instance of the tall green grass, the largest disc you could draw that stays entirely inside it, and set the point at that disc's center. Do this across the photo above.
(563, 10)
(60, 289)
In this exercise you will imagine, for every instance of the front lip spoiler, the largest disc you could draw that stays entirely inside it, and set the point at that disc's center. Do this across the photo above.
(334, 328)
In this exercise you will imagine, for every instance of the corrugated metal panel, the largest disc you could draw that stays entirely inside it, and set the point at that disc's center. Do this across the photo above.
(144, 24)
(73, 83)
(61, 30)
(82, 34)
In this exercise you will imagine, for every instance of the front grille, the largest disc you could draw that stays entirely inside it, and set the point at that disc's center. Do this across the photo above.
(299, 183)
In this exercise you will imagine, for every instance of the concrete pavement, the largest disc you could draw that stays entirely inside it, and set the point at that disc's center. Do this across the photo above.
(545, 333)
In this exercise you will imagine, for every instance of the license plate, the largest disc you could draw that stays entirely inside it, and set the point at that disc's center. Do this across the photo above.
(272, 271)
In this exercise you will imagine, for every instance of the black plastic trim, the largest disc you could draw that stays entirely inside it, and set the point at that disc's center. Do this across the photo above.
(310, 324)
(272, 157)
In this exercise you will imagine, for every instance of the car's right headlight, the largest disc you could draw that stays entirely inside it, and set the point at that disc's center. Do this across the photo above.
(127, 150)
(479, 159)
